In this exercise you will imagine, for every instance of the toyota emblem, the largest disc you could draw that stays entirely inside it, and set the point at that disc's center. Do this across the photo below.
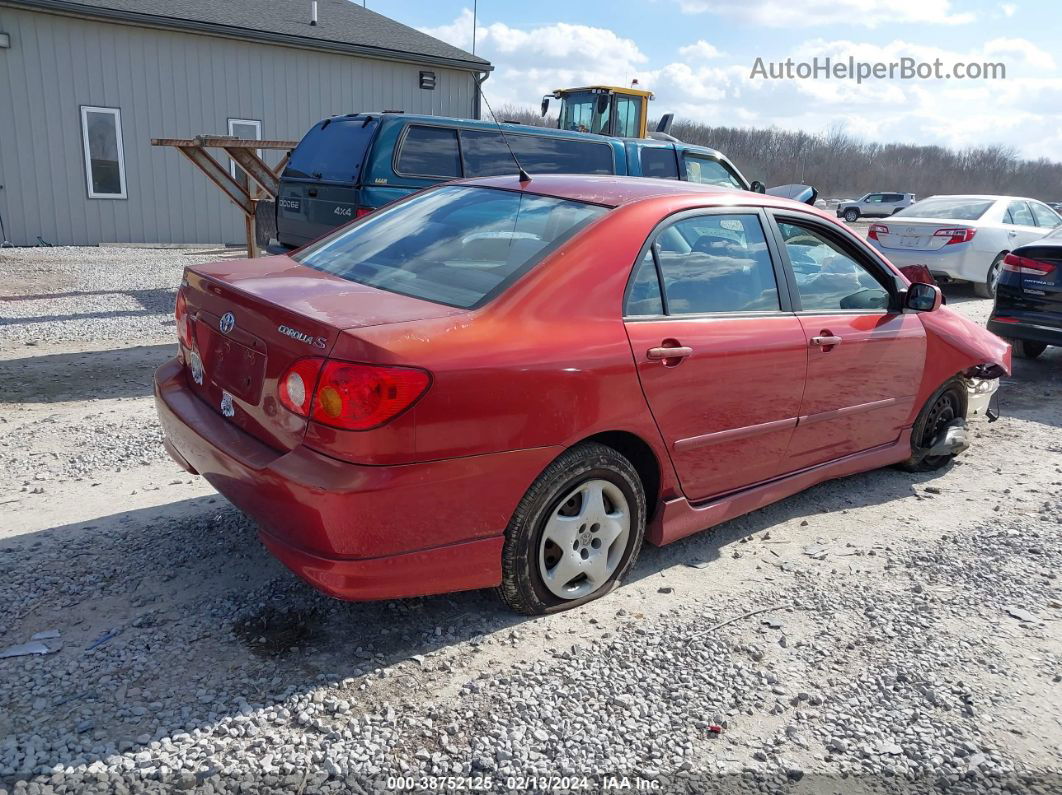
(227, 322)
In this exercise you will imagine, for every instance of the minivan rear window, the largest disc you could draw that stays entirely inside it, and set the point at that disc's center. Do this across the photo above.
(333, 150)
(454, 245)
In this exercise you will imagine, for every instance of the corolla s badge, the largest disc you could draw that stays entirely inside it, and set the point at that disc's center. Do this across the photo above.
(302, 336)
(227, 323)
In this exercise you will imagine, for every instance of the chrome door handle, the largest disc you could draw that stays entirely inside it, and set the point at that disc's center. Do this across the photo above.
(657, 354)
(824, 341)
(1012, 234)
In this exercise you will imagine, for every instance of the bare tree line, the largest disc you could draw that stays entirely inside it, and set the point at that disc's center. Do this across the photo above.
(841, 165)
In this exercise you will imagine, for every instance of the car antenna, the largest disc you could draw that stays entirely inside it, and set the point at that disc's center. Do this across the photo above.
(522, 175)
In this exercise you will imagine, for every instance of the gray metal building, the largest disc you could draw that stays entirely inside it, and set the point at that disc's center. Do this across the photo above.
(85, 86)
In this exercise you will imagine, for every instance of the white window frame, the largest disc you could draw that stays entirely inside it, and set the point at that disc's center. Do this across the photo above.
(258, 128)
(117, 114)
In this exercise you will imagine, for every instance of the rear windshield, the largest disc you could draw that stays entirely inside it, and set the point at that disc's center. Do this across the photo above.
(333, 150)
(454, 245)
(948, 207)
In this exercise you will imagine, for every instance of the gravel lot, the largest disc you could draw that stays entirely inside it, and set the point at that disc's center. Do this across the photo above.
(908, 640)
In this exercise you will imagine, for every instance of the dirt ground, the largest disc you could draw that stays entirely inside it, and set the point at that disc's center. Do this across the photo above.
(100, 533)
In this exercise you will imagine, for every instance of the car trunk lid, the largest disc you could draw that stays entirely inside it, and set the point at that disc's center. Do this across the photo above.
(915, 234)
(252, 319)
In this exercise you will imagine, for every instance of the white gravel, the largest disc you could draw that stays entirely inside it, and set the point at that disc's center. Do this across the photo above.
(61, 293)
(912, 643)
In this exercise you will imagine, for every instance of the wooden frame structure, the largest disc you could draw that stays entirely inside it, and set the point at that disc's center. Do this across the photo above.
(242, 150)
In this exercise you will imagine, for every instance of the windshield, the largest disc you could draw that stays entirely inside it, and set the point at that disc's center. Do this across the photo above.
(956, 207)
(333, 150)
(453, 245)
(585, 112)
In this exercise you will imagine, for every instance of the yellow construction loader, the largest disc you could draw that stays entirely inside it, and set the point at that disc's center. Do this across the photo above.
(605, 110)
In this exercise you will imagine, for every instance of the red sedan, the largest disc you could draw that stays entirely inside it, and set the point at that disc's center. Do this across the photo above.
(513, 384)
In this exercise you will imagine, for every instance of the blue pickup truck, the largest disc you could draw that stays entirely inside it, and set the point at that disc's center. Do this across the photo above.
(348, 166)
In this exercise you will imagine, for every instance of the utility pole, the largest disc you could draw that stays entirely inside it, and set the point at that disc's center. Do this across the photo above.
(475, 10)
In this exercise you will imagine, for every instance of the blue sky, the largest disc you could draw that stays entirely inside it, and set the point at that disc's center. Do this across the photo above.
(696, 55)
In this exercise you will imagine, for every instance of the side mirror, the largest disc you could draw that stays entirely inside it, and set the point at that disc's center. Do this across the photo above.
(757, 187)
(922, 297)
(545, 105)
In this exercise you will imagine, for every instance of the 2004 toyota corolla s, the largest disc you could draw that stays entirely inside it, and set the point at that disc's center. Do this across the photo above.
(512, 384)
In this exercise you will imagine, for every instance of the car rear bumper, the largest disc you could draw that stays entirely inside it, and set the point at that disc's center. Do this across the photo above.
(1020, 330)
(957, 261)
(355, 532)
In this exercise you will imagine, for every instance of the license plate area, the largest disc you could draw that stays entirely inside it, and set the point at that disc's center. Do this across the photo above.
(233, 367)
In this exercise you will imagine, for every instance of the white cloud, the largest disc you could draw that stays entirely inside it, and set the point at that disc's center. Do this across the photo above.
(701, 84)
(1028, 52)
(580, 48)
(700, 51)
(1008, 9)
(810, 13)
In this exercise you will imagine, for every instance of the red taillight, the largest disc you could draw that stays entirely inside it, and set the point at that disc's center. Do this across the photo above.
(297, 384)
(958, 234)
(877, 229)
(357, 397)
(354, 397)
(184, 323)
(362, 211)
(1032, 267)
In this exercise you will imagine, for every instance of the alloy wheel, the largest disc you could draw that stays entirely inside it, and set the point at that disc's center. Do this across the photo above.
(584, 539)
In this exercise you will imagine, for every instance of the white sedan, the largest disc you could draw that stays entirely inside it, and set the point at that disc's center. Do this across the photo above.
(962, 238)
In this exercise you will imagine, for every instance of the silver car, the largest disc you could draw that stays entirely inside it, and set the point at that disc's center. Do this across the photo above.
(875, 205)
(962, 238)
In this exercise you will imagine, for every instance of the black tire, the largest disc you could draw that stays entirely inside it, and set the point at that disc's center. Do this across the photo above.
(1027, 349)
(523, 588)
(931, 420)
(851, 215)
(987, 288)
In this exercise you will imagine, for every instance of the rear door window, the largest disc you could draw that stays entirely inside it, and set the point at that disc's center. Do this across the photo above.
(659, 162)
(1018, 213)
(333, 150)
(716, 263)
(644, 296)
(430, 152)
(454, 245)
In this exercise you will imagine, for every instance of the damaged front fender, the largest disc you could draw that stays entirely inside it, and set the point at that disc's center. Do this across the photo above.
(957, 346)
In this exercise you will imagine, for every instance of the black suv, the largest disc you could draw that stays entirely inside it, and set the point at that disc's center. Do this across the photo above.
(1028, 308)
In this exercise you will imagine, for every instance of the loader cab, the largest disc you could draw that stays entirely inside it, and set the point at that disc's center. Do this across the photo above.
(604, 110)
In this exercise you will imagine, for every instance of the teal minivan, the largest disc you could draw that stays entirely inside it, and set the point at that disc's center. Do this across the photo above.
(348, 166)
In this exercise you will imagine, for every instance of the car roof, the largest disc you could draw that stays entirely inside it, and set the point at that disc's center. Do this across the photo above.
(614, 191)
(516, 128)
